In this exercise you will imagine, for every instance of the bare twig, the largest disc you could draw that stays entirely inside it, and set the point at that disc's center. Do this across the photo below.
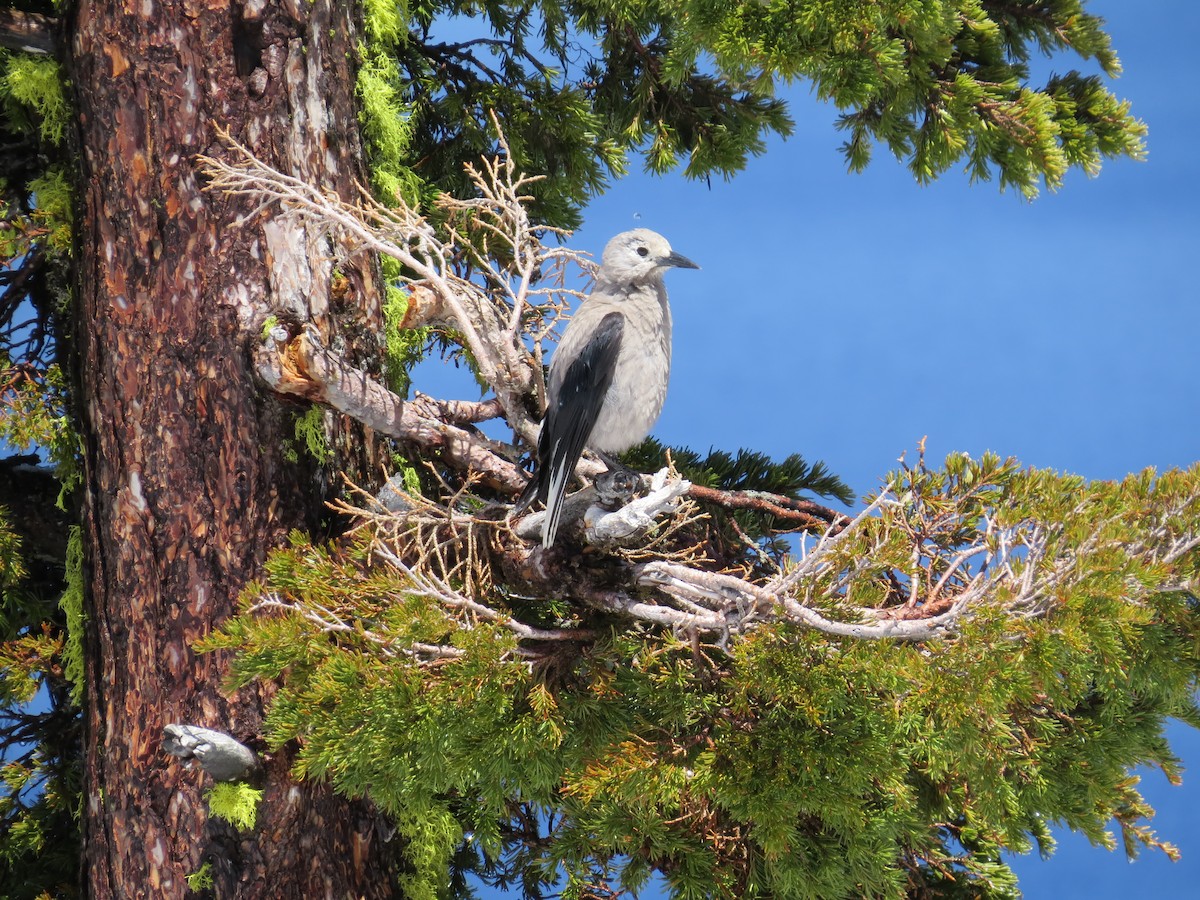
(493, 318)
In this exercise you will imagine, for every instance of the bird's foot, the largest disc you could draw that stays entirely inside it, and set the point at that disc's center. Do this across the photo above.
(617, 486)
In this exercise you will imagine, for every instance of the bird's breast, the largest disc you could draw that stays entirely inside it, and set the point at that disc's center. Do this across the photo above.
(639, 386)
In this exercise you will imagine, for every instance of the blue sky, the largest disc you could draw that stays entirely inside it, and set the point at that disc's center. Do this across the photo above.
(846, 316)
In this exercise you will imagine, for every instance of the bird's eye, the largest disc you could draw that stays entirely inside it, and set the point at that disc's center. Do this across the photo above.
(642, 251)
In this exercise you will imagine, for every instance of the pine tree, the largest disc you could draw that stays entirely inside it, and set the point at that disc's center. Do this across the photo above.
(207, 322)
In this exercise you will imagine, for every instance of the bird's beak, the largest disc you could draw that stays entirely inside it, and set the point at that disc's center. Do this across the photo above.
(679, 262)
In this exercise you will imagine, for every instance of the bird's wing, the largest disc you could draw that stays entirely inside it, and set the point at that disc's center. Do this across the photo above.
(572, 414)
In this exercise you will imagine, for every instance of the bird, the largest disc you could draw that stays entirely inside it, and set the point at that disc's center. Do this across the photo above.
(608, 377)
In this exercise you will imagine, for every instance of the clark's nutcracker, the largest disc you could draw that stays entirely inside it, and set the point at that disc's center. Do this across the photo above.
(608, 378)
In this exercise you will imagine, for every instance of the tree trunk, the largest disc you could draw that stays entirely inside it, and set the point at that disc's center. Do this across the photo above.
(187, 480)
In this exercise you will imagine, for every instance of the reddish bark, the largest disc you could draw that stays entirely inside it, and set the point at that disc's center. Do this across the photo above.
(187, 487)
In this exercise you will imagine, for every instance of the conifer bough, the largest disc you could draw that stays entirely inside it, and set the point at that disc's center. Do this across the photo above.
(939, 83)
(917, 690)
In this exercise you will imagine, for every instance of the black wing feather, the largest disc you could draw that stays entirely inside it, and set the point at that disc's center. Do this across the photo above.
(570, 418)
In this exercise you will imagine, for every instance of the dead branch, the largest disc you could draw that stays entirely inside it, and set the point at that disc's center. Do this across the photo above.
(493, 306)
(300, 366)
(457, 411)
(636, 518)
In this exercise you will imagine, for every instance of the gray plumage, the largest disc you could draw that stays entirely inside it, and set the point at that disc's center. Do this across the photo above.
(608, 377)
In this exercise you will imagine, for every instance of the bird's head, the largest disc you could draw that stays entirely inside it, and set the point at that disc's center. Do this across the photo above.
(640, 255)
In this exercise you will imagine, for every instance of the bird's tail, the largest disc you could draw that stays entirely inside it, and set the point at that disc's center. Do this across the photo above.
(548, 485)
(550, 491)
(553, 494)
